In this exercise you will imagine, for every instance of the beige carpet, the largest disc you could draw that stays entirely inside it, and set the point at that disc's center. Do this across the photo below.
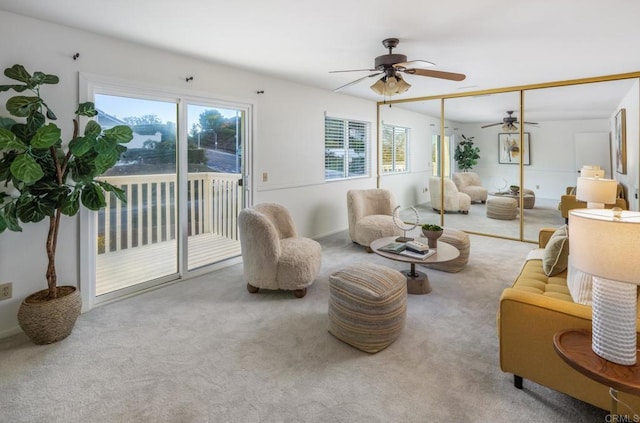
(205, 350)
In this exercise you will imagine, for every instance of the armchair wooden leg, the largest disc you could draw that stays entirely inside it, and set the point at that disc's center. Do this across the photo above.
(252, 289)
(300, 293)
(517, 381)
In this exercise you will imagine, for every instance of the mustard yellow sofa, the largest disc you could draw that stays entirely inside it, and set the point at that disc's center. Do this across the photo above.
(530, 313)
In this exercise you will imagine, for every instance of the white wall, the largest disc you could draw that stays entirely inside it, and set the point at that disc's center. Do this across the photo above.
(552, 155)
(288, 135)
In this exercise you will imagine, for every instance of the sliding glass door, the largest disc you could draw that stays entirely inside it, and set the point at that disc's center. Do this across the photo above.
(182, 175)
(137, 239)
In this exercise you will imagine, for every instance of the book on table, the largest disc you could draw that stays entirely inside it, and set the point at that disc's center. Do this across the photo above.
(394, 247)
(415, 255)
(417, 246)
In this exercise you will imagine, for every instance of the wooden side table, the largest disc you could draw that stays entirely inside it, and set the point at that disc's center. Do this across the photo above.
(574, 347)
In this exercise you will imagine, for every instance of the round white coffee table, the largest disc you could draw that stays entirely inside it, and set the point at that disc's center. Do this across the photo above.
(417, 282)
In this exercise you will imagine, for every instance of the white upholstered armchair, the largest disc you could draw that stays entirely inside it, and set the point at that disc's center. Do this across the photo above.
(274, 256)
(454, 200)
(370, 215)
(469, 183)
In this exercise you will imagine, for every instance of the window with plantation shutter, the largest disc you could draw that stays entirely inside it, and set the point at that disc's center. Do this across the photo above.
(395, 153)
(346, 148)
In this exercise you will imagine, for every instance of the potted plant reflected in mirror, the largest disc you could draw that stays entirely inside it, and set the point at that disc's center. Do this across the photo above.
(515, 189)
(432, 233)
(43, 178)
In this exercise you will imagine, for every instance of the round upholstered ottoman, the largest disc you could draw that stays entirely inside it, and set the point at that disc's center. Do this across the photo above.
(460, 240)
(504, 208)
(367, 305)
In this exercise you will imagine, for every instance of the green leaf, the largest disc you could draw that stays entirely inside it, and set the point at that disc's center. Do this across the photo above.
(104, 146)
(35, 121)
(120, 134)
(23, 106)
(46, 136)
(119, 193)
(81, 146)
(71, 204)
(18, 73)
(16, 88)
(93, 197)
(26, 169)
(40, 78)
(3, 223)
(9, 141)
(6, 123)
(93, 128)
(51, 115)
(10, 218)
(106, 161)
(86, 109)
(29, 209)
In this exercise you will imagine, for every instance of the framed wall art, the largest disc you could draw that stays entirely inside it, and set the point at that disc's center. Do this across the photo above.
(510, 149)
(620, 141)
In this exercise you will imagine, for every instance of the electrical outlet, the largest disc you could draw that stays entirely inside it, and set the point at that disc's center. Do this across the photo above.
(5, 291)
(265, 176)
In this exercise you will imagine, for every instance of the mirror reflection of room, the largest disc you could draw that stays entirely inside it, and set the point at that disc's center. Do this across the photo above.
(480, 177)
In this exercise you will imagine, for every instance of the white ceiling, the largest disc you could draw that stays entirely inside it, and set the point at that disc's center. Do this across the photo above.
(496, 43)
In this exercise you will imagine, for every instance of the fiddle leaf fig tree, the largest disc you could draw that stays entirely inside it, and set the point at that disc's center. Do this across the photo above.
(42, 177)
(466, 154)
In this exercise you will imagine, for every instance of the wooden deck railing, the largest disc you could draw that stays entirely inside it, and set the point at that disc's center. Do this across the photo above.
(149, 215)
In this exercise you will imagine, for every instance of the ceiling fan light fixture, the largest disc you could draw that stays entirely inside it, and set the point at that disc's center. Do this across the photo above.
(509, 127)
(390, 85)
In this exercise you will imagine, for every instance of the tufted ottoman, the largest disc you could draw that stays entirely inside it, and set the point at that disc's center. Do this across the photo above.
(367, 305)
(460, 240)
(504, 208)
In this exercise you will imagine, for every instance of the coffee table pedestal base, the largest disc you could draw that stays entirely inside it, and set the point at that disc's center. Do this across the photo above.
(417, 282)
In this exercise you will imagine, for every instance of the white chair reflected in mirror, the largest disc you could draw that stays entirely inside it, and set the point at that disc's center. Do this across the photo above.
(454, 200)
(470, 184)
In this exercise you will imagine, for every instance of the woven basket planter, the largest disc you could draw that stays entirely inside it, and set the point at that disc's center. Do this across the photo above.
(48, 321)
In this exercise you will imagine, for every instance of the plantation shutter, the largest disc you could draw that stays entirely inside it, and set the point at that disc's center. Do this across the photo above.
(346, 148)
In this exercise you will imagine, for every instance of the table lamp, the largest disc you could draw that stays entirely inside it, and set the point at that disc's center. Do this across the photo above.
(591, 171)
(606, 244)
(596, 191)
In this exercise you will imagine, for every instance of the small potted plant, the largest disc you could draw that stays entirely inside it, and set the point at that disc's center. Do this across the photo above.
(432, 233)
(515, 189)
(43, 178)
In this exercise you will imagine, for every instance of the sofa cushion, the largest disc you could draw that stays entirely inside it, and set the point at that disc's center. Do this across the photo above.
(556, 255)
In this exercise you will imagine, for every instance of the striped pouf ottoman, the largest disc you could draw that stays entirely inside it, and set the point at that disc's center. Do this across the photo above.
(367, 305)
(460, 240)
(504, 208)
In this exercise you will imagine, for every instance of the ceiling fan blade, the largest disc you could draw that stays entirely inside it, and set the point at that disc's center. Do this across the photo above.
(353, 70)
(491, 124)
(414, 64)
(436, 74)
(358, 80)
(532, 123)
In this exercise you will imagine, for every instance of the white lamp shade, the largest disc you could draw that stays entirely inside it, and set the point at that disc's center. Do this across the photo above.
(591, 171)
(597, 190)
(605, 246)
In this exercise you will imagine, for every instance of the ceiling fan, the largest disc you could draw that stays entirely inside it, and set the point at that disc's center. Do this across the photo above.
(391, 66)
(508, 123)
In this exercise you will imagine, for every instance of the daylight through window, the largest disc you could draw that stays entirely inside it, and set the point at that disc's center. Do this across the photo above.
(395, 154)
(346, 146)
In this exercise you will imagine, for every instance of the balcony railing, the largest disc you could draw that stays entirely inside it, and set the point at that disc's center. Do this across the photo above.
(149, 215)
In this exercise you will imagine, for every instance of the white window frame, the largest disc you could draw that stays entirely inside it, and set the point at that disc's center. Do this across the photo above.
(346, 149)
(89, 85)
(393, 169)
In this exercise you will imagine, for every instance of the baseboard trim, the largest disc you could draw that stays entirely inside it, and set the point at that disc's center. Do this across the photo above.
(10, 332)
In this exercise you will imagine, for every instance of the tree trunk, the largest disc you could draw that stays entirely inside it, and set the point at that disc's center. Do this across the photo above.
(52, 240)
